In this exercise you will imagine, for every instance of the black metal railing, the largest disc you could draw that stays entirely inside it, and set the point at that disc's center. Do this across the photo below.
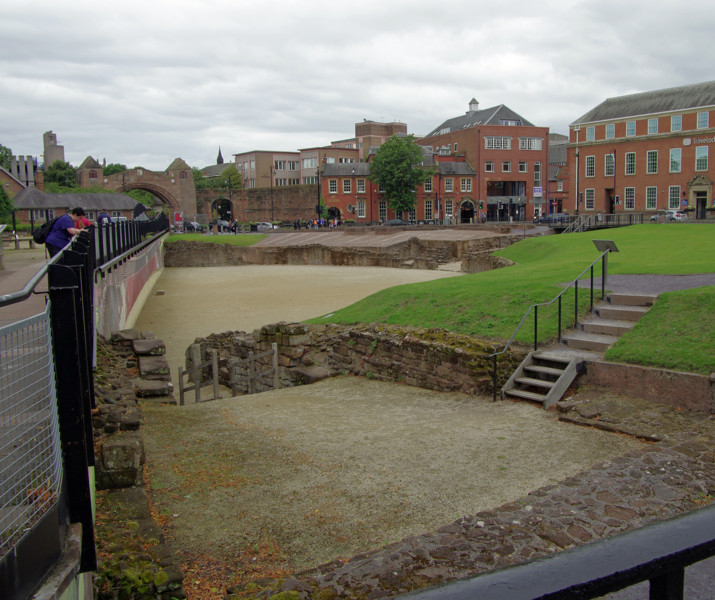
(583, 222)
(658, 553)
(118, 238)
(70, 277)
(559, 299)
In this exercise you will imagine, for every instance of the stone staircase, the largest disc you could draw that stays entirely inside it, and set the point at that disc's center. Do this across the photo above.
(545, 375)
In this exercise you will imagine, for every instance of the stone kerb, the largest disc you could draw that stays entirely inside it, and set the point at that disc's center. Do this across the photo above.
(688, 391)
(434, 359)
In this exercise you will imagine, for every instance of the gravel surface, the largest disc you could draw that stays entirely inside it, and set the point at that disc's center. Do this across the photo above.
(347, 465)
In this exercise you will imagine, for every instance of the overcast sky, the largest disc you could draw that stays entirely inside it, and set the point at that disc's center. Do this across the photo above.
(143, 82)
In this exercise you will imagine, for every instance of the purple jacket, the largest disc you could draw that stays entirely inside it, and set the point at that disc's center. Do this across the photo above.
(59, 236)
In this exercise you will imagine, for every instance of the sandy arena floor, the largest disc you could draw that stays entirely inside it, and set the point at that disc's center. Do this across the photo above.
(335, 468)
(194, 302)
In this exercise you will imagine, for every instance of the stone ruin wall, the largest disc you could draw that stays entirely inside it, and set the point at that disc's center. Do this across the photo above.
(475, 255)
(430, 358)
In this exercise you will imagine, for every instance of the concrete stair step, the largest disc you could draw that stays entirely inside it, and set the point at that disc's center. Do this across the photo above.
(543, 370)
(534, 397)
(607, 326)
(533, 382)
(549, 356)
(590, 341)
(632, 299)
(621, 313)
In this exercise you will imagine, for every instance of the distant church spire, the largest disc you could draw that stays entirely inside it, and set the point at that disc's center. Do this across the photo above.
(219, 159)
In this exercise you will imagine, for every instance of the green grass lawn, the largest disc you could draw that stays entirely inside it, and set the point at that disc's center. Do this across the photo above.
(492, 304)
(233, 240)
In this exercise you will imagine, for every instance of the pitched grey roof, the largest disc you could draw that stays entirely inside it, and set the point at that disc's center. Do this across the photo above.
(455, 168)
(90, 163)
(557, 154)
(216, 170)
(359, 169)
(696, 95)
(487, 116)
(362, 169)
(178, 164)
(32, 198)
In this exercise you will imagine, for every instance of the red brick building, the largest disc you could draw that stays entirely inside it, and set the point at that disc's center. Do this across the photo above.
(508, 154)
(447, 197)
(644, 152)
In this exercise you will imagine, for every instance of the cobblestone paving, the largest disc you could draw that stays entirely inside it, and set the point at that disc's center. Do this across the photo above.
(672, 474)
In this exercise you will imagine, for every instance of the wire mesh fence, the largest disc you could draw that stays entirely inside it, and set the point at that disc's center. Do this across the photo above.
(30, 453)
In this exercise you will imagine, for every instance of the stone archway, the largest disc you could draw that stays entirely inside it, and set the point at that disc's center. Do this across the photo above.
(174, 187)
(467, 212)
(222, 209)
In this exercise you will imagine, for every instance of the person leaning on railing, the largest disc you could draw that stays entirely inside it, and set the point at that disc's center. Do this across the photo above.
(62, 231)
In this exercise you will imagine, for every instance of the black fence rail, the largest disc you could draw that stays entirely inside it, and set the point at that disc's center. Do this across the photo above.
(33, 540)
(534, 309)
(658, 553)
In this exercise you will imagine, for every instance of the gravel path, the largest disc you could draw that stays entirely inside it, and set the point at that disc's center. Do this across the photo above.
(656, 284)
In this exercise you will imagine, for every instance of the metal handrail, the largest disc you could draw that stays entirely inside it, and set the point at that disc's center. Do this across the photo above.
(535, 307)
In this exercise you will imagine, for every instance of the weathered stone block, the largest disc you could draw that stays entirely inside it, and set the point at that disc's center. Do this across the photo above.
(149, 347)
(120, 460)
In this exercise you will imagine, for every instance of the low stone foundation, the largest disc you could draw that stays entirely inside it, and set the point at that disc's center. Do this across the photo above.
(687, 391)
(430, 358)
(414, 254)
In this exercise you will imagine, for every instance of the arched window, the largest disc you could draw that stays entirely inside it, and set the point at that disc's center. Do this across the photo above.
(182, 175)
(93, 174)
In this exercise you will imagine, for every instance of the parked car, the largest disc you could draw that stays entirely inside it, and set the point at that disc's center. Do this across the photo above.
(264, 226)
(669, 215)
(193, 227)
(396, 222)
(223, 225)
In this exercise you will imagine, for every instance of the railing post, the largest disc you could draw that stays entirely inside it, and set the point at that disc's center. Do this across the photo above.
(276, 383)
(591, 289)
(214, 371)
(494, 377)
(536, 326)
(74, 414)
(559, 318)
(575, 309)
(195, 353)
(251, 372)
(668, 586)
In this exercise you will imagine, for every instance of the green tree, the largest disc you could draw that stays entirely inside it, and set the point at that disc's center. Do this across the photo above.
(113, 168)
(397, 168)
(61, 173)
(231, 178)
(5, 156)
(5, 206)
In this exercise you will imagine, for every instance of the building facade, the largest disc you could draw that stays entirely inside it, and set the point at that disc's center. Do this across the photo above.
(265, 168)
(509, 155)
(645, 152)
(446, 197)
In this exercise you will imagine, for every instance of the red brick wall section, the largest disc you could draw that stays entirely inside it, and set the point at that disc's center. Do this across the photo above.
(674, 388)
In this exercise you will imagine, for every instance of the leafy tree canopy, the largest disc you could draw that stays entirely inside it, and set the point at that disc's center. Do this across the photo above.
(62, 173)
(5, 206)
(397, 168)
(5, 156)
(143, 196)
(231, 178)
(113, 168)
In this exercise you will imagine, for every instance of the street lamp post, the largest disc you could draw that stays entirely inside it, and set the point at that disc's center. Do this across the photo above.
(270, 173)
(577, 129)
(317, 176)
